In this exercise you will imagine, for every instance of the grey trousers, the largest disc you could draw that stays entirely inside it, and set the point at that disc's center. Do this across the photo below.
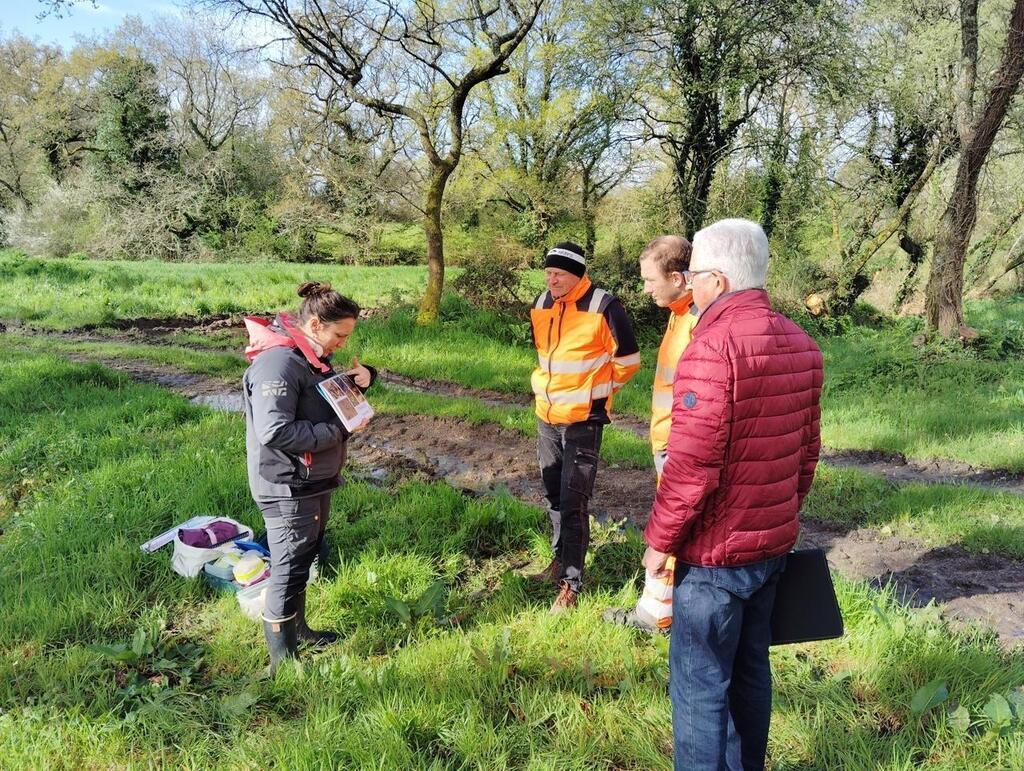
(295, 530)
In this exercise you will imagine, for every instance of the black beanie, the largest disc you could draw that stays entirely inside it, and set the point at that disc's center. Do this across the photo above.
(567, 256)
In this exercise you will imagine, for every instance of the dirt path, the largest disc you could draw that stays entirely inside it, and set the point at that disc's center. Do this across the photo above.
(478, 459)
(893, 466)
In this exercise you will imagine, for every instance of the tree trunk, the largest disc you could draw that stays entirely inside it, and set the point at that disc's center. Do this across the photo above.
(589, 232)
(854, 257)
(944, 295)
(430, 305)
(694, 172)
(589, 217)
(915, 253)
(772, 198)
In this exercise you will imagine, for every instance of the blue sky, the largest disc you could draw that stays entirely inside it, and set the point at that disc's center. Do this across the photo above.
(82, 19)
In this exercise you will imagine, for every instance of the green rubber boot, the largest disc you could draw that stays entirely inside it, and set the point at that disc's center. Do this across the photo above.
(314, 637)
(282, 641)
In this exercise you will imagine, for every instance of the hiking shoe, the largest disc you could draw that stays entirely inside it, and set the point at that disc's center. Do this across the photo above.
(548, 575)
(566, 599)
(624, 617)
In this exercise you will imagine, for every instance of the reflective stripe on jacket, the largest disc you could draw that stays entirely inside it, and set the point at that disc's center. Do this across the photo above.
(681, 322)
(586, 351)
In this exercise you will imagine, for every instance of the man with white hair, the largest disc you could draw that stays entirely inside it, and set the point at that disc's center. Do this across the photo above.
(742, 451)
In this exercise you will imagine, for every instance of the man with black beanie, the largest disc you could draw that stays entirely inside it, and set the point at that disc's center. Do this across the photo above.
(586, 352)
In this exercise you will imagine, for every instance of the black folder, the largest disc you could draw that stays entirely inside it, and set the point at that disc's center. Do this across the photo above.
(805, 600)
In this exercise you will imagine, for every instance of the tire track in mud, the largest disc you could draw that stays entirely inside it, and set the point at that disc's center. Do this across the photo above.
(895, 467)
(892, 466)
(983, 588)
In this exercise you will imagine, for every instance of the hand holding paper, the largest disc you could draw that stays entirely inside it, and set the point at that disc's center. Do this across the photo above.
(359, 373)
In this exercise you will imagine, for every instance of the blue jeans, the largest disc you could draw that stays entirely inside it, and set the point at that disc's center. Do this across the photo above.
(720, 679)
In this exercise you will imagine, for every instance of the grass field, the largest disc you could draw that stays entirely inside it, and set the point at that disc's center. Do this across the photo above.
(979, 520)
(108, 659)
(61, 294)
(881, 392)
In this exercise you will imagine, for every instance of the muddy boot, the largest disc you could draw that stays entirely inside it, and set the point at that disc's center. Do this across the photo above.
(282, 642)
(316, 638)
(625, 617)
(566, 599)
(548, 575)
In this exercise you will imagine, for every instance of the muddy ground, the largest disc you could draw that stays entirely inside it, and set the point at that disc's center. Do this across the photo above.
(969, 587)
(893, 466)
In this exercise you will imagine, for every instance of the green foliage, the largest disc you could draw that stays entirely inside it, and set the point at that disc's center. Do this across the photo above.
(154, 669)
(928, 697)
(499, 683)
(133, 122)
(429, 607)
(494, 281)
(619, 273)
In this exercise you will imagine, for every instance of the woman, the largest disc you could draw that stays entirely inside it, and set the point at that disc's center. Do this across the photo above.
(295, 447)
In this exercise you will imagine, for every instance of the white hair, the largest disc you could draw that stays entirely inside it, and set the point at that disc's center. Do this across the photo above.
(736, 247)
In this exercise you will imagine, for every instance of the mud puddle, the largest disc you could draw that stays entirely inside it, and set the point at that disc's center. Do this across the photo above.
(480, 459)
(893, 466)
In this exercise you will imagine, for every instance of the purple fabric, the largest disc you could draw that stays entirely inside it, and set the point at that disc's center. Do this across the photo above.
(204, 537)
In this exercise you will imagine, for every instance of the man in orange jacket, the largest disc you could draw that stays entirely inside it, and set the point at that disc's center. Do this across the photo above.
(586, 352)
(663, 263)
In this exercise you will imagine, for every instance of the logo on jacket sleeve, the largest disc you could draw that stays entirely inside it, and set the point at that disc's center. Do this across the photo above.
(689, 400)
(273, 388)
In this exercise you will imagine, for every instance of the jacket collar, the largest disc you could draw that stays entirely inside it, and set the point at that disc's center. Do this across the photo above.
(577, 291)
(682, 306)
(282, 333)
(727, 303)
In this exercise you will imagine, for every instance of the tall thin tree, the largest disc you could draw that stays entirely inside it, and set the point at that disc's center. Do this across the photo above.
(944, 312)
(412, 60)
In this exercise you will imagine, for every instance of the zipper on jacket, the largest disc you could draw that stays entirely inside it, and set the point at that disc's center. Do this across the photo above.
(307, 462)
(551, 356)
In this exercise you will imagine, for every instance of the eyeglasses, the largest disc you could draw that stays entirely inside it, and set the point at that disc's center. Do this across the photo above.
(689, 274)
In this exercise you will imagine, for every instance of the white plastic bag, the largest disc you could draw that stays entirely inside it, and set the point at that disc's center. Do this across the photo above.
(188, 560)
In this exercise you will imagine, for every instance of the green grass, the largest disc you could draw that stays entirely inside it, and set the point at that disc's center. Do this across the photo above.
(881, 393)
(978, 520)
(217, 364)
(66, 293)
(92, 464)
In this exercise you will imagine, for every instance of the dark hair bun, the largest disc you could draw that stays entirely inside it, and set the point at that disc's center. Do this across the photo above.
(313, 288)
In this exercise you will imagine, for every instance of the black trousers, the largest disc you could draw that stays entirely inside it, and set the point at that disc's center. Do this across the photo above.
(295, 530)
(568, 465)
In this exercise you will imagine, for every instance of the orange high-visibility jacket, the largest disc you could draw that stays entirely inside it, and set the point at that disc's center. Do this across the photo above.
(586, 352)
(680, 330)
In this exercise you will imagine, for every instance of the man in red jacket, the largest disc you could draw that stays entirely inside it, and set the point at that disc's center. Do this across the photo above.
(742, 450)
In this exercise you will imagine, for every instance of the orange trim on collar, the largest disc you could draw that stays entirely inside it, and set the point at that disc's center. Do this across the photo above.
(682, 306)
(576, 292)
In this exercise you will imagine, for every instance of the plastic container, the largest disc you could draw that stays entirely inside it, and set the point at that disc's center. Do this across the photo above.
(251, 600)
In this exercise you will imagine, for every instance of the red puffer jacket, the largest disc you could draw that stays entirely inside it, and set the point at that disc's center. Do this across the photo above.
(745, 436)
